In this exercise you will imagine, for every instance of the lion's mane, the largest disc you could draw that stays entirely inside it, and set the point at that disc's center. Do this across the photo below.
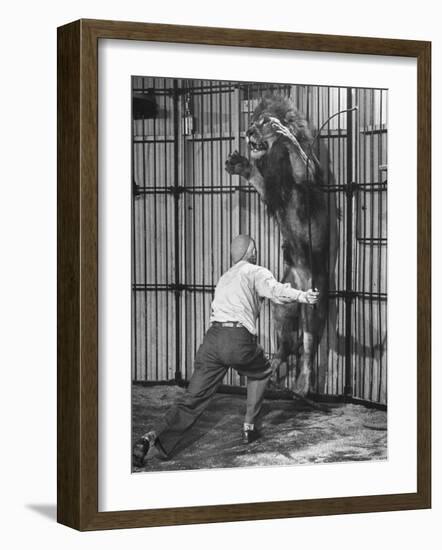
(283, 109)
(275, 165)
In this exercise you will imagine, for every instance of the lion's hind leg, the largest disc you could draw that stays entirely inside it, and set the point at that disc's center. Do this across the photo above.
(287, 330)
(312, 320)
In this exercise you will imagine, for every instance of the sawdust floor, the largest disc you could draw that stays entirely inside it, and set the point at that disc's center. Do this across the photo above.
(292, 432)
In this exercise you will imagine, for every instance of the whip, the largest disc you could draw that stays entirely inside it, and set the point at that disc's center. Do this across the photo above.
(311, 156)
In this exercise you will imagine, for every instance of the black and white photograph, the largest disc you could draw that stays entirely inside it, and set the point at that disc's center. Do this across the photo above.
(259, 274)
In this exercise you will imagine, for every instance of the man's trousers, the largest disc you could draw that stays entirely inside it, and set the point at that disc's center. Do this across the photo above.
(222, 347)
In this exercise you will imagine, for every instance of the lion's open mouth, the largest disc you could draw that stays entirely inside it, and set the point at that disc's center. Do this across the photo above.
(256, 146)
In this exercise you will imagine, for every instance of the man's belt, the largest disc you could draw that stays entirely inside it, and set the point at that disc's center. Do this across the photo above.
(230, 324)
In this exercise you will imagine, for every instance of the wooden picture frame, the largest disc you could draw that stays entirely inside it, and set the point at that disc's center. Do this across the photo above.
(77, 225)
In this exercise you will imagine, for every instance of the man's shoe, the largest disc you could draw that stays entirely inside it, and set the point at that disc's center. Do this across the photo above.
(139, 451)
(141, 448)
(250, 435)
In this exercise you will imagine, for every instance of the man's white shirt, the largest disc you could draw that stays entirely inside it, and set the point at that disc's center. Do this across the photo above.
(241, 291)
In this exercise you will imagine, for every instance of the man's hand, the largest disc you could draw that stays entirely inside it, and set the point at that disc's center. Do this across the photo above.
(309, 297)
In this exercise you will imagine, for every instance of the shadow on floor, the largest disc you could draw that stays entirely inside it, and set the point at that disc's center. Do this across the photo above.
(292, 433)
(47, 510)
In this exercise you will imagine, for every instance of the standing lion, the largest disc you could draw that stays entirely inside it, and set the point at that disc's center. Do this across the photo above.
(288, 177)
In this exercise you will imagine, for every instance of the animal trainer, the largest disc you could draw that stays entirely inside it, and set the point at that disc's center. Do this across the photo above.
(230, 341)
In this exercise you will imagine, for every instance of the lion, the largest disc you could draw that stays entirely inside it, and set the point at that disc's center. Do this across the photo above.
(288, 177)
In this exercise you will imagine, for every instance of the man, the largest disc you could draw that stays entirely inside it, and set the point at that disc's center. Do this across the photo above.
(229, 342)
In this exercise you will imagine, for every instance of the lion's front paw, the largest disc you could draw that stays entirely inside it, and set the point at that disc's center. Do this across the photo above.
(238, 165)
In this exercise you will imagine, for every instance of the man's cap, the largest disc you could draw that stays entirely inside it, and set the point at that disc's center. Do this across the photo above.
(239, 247)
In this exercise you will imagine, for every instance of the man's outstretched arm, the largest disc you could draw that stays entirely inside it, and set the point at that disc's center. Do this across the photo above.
(281, 293)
